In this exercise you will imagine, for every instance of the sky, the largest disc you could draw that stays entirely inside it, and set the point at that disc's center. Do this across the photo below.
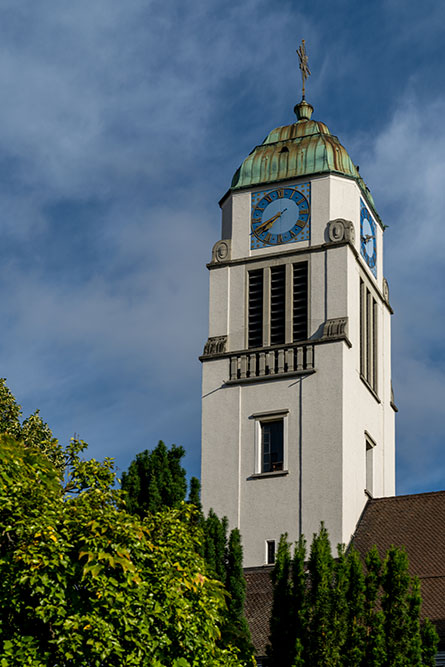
(121, 125)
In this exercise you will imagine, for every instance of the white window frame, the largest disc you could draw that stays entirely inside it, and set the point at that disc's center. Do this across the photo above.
(370, 445)
(259, 419)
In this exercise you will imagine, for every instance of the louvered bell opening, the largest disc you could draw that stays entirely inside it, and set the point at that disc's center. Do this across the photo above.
(256, 283)
(300, 301)
(277, 305)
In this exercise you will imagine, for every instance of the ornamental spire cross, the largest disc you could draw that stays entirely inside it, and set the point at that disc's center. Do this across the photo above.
(305, 71)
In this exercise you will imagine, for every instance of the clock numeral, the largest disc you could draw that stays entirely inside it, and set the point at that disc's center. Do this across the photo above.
(267, 238)
(297, 196)
(268, 198)
(279, 238)
(304, 211)
(280, 194)
(300, 224)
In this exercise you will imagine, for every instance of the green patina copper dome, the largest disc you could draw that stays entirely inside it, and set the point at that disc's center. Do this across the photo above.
(301, 149)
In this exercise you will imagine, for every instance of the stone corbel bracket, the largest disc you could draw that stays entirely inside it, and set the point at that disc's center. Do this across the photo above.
(214, 346)
(340, 230)
(336, 329)
(385, 290)
(222, 251)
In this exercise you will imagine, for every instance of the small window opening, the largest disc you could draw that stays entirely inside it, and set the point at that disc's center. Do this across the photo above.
(270, 552)
(284, 150)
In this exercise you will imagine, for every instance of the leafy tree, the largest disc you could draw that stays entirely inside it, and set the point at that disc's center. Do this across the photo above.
(330, 611)
(156, 480)
(33, 431)
(84, 582)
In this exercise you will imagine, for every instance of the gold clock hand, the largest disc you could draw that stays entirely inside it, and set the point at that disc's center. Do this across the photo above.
(267, 224)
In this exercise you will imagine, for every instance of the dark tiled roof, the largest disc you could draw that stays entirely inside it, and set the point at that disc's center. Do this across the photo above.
(416, 522)
(258, 605)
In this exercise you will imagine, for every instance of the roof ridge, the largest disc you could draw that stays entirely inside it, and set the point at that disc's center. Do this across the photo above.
(407, 496)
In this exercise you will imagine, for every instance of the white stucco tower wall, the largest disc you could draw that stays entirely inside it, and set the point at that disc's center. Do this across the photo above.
(330, 390)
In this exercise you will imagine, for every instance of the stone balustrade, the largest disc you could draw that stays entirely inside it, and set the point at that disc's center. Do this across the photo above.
(273, 362)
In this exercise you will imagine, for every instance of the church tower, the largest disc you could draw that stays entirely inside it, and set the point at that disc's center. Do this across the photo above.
(297, 407)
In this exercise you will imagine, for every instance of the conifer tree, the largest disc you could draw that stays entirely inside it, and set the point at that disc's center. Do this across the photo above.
(375, 653)
(299, 605)
(236, 630)
(155, 480)
(414, 652)
(215, 541)
(330, 611)
(430, 639)
(281, 632)
(395, 585)
(354, 647)
(195, 493)
(320, 568)
(338, 604)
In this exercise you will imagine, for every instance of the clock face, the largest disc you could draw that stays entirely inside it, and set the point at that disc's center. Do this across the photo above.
(280, 216)
(368, 244)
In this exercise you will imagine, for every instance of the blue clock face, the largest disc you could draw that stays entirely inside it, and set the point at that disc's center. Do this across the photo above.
(368, 244)
(280, 216)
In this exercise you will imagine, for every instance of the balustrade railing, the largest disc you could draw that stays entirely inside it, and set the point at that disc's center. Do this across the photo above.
(275, 361)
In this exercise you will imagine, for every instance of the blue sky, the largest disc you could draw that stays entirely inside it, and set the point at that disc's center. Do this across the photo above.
(121, 125)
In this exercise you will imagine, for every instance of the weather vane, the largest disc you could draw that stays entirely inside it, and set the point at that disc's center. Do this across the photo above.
(305, 71)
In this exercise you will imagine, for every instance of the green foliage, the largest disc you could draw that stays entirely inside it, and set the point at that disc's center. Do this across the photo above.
(195, 493)
(236, 630)
(333, 612)
(354, 644)
(155, 480)
(430, 639)
(83, 582)
(281, 634)
(215, 541)
(34, 432)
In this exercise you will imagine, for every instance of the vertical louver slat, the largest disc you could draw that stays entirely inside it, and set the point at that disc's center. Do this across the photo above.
(256, 283)
(300, 301)
(277, 305)
(362, 329)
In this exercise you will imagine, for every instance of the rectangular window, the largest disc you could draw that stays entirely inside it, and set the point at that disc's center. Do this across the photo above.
(368, 336)
(270, 552)
(272, 445)
(255, 324)
(278, 305)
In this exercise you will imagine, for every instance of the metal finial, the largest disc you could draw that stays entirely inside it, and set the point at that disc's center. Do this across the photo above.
(305, 71)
